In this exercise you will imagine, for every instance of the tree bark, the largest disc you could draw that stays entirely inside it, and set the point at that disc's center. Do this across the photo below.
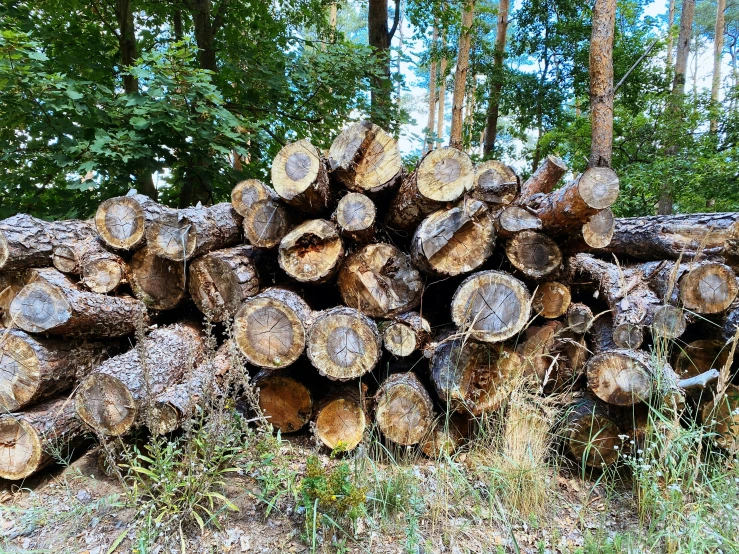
(404, 412)
(497, 79)
(534, 254)
(159, 283)
(442, 94)
(687, 15)
(460, 75)
(355, 215)
(431, 124)
(380, 38)
(122, 222)
(495, 183)
(670, 23)
(601, 83)
(718, 52)
(341, 419)
(544, 179)
(300, 178)
(312, 252)
(592, 434)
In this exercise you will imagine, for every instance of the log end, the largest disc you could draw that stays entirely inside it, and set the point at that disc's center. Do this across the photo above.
(266, 223)
(121, 222)
(404, 412)
(39, 307)
(598, 231)
(247, 193)
(599, 187)
(20, 448)
(19, 372)
(340, 424)
(311, 252)
(534, 254)
(709, 288)
(445, 174)
(159, 283)
(105, 404)
(552, 299)
(617, 377)
(102, 275)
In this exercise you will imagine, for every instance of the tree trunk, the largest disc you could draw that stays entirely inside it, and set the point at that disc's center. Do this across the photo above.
(498, 79)
(312, 252)
(267, 222)
(379, 39)
(343, 344)
(592, 435)
(36, 438)
(670, 23)
(460, 75)
(456, 240)
(579, 318)
(552, 300)
(683, 46)
(221, 280)
(431, 125)
(53, 304)
(365, 159)
(379, 280)
(405, 334)
(341, 419)
(284, 400)
(601, 83)
(300, 177)
(270, 328)
(404, 412)
(159, 283)
(442, 176)
(492, 306)
(355, 215)
(205, 32)
(110, 400)
(534, 254)
(99, 270)
(718, 52)
(515, 219)
(544, 179)
(442, 95)
(122, 222)
(495, 183)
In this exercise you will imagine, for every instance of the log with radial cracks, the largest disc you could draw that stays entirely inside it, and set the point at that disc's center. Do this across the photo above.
(406, 334)
(598, 231)
(312, 251)
(159, 283)
(534, 254)
(579, 318)
(667, 322)
(456, 240)
(591, 434)
(442, 176)
(495, 183)
(267, 222)
(269, 328)
(99, 269)
(285, 401)
(514, 219)
(180, 235)
(622, 377)
(552, 299)
(51, 303)
(364, 158)
(491, 306)
(11, 283)
(109, 400)
(221, 280)
(544, 179)
(300, 177)
(355, 215)
(247, 193)
(472, 377)
(341, 419)
(36, 438)
(33, 368)
(404, 412)
(122, 222)
(380, 281)
(343, 343)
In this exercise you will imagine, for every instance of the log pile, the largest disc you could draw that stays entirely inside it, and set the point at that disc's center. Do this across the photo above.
(360, 295)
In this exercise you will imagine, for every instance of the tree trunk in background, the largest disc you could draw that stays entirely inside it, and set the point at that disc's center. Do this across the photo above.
(601, 83)
(670, 23)
(204, 33)
(432, 93)
(379, 39)
(442, 94)
(496, 83)
(177, 24)
(460, 75)
(718, 49)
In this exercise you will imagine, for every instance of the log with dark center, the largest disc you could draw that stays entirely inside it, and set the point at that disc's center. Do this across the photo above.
(51, 303)
(267, 222)
(598, 231)
(456, 240)
(284, 400)
(442, 176)
(341, 419)
(99, 270)
(447, 435)
(159, 283)
(668, 322)
(343, 343)
(406, 334)
(355, 215)
(364, 158)
(534, 254)
(495, 183)
(552, 299)
(544, 179)
(513, 219)
(247, 193)
(579, 318)
(122, 222)
(109, 400)
(404, 412)
(592, 435)
(492, 306)
(312, 252)
(270, 328)
(709, 288)
(300, 178)
(221, 280)
(379, 280)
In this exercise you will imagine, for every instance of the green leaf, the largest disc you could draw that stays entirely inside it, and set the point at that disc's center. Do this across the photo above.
(139, 123)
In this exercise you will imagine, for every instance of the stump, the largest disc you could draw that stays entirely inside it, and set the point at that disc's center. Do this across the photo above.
(534, 254)
(494, 183)
(355, 215)
(591, 434)
(300, 178)
(514, 219)
(544, 179)
(341, 420)
(159, 283)
(122, 222)
(579, 318)
(404, 412)
(406, 334)
(379, 280)
(266, 223)
(312, 251)
(99, 270)
(552, 299)
(598, 231)
(284, 400)
(621, 377)
(247, 193)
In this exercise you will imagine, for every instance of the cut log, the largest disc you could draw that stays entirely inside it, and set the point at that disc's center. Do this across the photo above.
(602, 334)
(534, 254)
(300, 177)
(33, 368)
(492, 306)
(380, 281)
(355, 215)
(698, 357)
(159, 283)
(443, 175)
(99, 270)
(621, 377)
(552, 299)
(668, 322)
(579, 318)
(592, 435)
(454, 241)
(709, 288)
(731, 242)
(284, 400)
(36, 438)
(514, 219)
(122, 222)
(270, 328)
(722, 416)
(247, 193)
(446, 437)
(343, 344)
(221, 280)
(406, 334)
(495, 183)
(628, 335)
(110, 399)
(51, 303)
(312, 252)
(266, 223)
(26, 241)
(544, 179)
(598, 231)
(404, 412)
(11, 283)
(366, 159)
(537, 352)
(570, 207)
(474, 377)
(191, 232)
(341, 419)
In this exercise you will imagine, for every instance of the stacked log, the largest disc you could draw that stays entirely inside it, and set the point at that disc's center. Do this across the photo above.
(353, 291)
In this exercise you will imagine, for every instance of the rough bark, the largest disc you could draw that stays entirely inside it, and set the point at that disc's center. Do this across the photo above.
(109, 401)
(221, 280)
(460, 75)
(579, 318)
(498, 79)
(683, 46)
(442, 93)
(534, 254)
(454, 241)
(99, 270)
(159, 283)
(495, 183)
(284, 400)
(551, 299)
(405, 334)
(267, 222)
(380, 281)
(492, 306)
(355, 215)
(404, 412)
(341, 419)
(592, 434)
(122, 222)
(514, 219)
(312, 252)
(343, 344)
(544, 179)
(601, 83)
(379, 38)
(51, 303)
(300, 177)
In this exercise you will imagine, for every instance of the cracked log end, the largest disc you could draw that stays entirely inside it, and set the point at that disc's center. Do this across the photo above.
(404, 412)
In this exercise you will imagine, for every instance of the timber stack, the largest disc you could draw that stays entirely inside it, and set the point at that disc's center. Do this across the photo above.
(358, 293)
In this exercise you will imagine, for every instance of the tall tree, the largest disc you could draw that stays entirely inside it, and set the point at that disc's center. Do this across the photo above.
(718, 50)
(496, 79)
(442, 92)
(460, 75)
(601, 83)
(670, 23)
(380, 38)
(432, 92)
